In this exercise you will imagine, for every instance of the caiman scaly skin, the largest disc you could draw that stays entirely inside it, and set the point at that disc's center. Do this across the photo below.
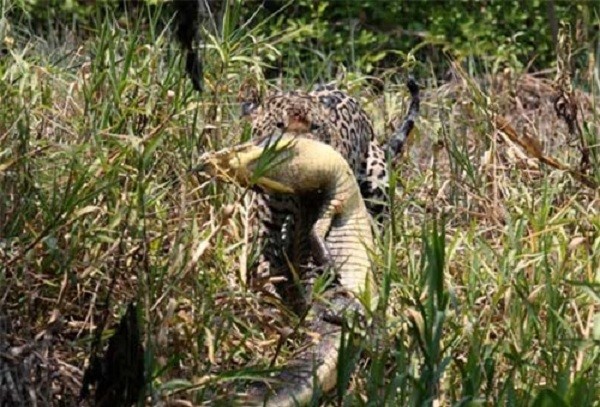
(333, 219)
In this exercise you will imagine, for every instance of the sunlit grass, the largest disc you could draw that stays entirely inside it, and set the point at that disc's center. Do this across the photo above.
(489, 274)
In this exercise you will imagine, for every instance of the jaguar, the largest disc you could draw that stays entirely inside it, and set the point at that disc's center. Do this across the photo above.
(335, 118)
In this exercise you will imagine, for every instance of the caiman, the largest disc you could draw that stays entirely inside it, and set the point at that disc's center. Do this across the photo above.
(331, 230)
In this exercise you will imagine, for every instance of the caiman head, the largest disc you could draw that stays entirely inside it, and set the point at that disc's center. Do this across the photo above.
(249, 164)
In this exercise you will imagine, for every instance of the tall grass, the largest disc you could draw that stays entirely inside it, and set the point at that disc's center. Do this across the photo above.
(489, 273)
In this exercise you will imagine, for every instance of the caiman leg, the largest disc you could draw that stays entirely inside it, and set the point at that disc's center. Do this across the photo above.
(320, 251)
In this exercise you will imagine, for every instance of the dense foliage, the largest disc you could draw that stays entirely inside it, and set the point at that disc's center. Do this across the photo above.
(489, 271)
(376, 34)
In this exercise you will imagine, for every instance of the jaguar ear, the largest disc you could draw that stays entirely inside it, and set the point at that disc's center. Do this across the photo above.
(249, 97)
(247, 108)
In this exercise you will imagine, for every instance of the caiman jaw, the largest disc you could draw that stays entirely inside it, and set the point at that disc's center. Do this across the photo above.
(230, 164)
